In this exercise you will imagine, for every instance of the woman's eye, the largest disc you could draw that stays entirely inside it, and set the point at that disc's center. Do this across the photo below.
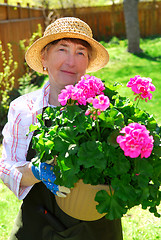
(61, 49)
(81, 53)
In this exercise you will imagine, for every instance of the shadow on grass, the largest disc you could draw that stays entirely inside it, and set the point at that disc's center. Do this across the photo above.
(148, 57)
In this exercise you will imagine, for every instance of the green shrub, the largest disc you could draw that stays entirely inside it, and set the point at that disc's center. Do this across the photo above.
(24, 44)
(31, 80)
(6, 82)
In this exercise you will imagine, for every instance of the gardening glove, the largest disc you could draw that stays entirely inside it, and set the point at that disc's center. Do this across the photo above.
(44, 172)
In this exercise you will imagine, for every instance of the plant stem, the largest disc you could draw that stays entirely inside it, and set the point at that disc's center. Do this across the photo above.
(60, 165)
(98, 129)
(110, 190)
(88, 134)
(136, 165)
(137, 102)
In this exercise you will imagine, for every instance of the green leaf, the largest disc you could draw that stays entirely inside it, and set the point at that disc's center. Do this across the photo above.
(123, 189)
(53, 130)
(112, 118)
(111, 90)
(39, 117)
(32, 128)
(61, 145)
(72, 162)
(154, 210)
(58, 174)
(90, 154)
(151, 125)
(51, 113)
(121, 166)
(92, 176)
(157, 151)
(35, 161)
(70, 178)
(107, 120)
(157, 169)
(110, 205)
(42, 156)
(143, 180)
(145, 193)
(81, 123)
(49, 145)
(140, 116)
(70, 112)
(112, 138)
(67, 134)
(144, 167)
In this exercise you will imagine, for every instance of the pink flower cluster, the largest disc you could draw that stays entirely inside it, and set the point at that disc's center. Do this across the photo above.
(100, 103)
(87, 87)
(136, 141)
(142, 87)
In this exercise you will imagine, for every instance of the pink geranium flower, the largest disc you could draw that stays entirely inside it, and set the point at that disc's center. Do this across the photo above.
(101, 102)
(66, 94)
(136, 141)
(142, 87)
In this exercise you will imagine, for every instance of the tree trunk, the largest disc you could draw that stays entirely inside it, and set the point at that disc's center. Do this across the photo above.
(132, 25)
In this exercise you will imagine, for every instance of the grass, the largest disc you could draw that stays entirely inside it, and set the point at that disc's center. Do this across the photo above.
(137, 224)
(9, 206)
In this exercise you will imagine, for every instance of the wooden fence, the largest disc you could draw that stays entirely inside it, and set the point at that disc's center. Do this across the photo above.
(17, 23)
(108, 21)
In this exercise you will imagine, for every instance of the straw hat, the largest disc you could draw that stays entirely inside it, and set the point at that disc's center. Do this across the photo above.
(67, 27)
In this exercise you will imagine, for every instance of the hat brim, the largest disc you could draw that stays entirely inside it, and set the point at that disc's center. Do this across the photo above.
(98, 60)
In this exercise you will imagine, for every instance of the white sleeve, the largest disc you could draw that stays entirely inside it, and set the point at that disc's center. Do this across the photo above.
(15, 145)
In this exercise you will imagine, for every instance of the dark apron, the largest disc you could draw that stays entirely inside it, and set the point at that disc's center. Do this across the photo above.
(40, 218)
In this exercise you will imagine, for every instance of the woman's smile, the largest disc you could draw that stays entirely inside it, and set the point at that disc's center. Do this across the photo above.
(68, 72)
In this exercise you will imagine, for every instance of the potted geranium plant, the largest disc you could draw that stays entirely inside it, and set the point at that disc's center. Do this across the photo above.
(102, 138)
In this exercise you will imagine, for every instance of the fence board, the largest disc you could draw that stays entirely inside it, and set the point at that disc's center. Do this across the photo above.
(18, 23)
(3, 14)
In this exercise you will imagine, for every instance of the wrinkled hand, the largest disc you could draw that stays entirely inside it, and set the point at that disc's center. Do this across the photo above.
(45, 173)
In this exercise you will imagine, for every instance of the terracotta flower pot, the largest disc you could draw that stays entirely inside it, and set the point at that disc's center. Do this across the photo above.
(80, 202)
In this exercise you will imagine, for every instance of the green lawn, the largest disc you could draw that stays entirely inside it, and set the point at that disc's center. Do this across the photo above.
(9, 206)
(138, 224)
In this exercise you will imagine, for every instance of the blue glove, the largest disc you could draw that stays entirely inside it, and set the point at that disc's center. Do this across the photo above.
(45, 173)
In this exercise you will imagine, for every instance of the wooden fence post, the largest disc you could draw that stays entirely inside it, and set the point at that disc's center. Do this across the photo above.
(7, 9)
(154, 29)
(19, 10)
(113, 19)
(74, 10)
(29, 10)
(97, 27)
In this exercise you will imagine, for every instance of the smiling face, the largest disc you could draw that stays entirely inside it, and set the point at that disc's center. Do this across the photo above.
(66, 61)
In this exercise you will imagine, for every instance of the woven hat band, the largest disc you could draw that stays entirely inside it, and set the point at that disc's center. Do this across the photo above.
(72, 25)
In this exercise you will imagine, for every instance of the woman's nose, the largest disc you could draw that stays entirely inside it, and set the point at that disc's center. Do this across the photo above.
(71, 60)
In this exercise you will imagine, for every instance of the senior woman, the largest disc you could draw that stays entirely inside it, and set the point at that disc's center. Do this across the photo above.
(65, 52)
